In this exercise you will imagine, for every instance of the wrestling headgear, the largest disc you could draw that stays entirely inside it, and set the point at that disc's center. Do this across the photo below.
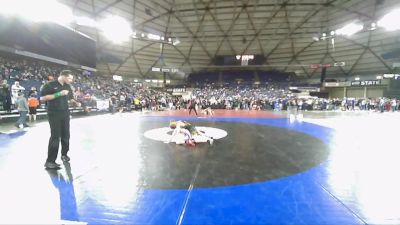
(172, 124)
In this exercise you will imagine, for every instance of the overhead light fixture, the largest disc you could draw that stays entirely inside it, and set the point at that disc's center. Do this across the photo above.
(390, 21)
(349, 29)
(373, 26)
(176, 42)
(379, 77)
(357, 78)
(116, 29)
(323, 36)
(339, 64)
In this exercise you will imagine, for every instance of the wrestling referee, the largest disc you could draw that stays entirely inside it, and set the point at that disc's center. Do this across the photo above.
(58, 93)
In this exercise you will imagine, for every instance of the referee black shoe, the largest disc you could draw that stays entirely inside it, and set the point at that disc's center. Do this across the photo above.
(65, 158)
(52, 165)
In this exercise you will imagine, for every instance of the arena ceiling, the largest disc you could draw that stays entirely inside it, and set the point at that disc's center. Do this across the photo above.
(281, 30)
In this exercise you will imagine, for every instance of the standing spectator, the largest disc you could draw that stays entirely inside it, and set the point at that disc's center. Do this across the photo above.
(382, 105)
(57, 93)
(15, 88)
(33, 103)
(33, 90)
(178, 104)
(113, 104)
(4, 91)
(129, 103)
(121, 102)
(144, 104)
(7, 102)
(300, 105)
(363, 104)
(137, 104)
(394, 105)
(22, 105)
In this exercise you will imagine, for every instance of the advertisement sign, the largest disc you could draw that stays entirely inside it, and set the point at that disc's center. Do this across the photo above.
(366, 83)
(331, 84)
(102, 105)
(117, 78)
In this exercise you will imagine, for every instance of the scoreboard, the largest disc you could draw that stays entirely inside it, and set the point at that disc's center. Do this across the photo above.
(239, 60)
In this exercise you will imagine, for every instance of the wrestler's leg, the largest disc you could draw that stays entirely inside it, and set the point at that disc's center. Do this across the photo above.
(174, 133)
(186, 133)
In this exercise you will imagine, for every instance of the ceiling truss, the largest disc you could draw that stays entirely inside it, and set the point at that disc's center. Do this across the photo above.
(281, 30)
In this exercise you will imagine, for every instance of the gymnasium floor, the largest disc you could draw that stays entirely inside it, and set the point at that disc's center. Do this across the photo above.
(269, 168)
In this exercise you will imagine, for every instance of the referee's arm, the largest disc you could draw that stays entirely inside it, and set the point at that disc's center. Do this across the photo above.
(50, 97)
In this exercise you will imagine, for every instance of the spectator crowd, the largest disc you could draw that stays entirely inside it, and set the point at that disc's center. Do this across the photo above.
(20, 76)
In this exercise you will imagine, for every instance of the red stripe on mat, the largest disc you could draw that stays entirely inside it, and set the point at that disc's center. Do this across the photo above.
(219, 113)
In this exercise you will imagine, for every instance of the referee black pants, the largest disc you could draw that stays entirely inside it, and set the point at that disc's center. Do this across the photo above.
(59, 126)
(192, 108)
